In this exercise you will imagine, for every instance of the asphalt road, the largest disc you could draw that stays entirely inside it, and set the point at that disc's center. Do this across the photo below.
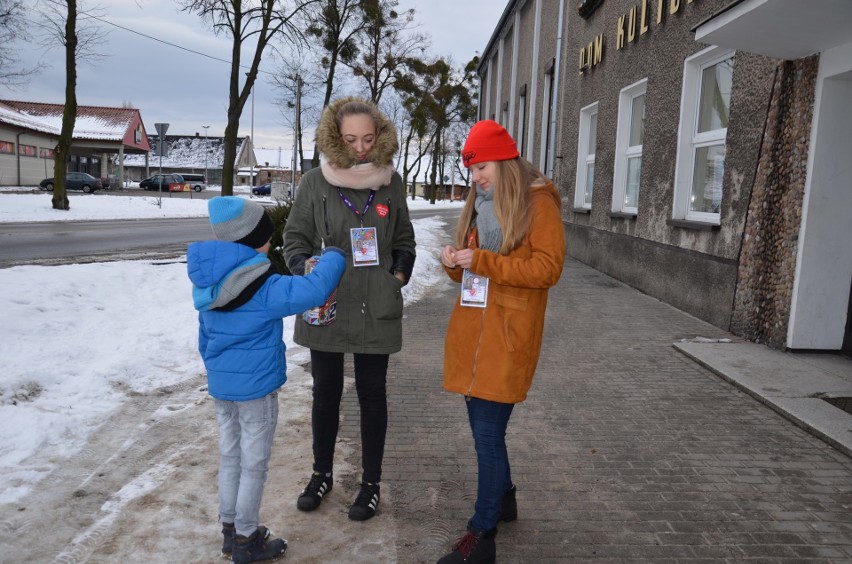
(64, 242)
(86, 241)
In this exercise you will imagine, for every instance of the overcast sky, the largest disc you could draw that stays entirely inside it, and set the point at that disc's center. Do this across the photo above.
(190, 90)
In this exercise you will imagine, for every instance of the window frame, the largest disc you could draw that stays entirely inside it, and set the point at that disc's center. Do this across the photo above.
(584, 158)
(623, 150)
(689, 140)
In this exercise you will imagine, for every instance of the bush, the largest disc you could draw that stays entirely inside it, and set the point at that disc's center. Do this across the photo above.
(279, 214)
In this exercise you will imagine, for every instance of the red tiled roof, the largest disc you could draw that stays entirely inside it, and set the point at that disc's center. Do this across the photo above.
(93, 122)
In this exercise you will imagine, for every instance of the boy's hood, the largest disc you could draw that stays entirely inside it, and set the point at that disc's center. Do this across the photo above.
(209, 262)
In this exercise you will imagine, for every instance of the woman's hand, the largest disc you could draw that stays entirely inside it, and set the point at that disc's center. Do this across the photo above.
(463, 258)
(452, 257)
(448, 256)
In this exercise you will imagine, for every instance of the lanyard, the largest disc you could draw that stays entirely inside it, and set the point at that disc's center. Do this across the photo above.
(351, 206)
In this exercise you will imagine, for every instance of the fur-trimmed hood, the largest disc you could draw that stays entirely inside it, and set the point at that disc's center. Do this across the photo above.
(339, 155)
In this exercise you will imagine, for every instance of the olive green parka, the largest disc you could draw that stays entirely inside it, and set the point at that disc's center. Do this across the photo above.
(369, 298)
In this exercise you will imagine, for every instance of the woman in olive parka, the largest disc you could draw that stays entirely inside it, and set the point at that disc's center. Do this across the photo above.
(354, 200)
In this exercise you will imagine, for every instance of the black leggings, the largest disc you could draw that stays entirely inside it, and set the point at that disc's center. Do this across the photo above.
(370, 378)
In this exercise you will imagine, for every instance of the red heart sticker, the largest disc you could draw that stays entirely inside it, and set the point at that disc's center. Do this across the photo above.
(382, 210)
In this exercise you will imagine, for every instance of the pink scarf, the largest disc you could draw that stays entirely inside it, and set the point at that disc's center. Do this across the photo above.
(358, 177)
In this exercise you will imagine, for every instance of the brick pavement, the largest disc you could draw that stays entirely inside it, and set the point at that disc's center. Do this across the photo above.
(625, 450)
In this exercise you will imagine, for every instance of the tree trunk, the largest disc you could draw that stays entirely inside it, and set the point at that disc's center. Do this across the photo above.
(69, 114)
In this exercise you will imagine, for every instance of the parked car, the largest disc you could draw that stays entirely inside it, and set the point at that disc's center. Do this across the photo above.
(264, 190)
(197, 181)
(153, 183)
(75, 181)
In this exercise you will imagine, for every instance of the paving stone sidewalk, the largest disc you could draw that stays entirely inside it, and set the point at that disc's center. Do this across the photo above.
(625, 450)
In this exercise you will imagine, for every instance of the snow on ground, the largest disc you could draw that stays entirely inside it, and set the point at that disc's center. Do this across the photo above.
(78, 340)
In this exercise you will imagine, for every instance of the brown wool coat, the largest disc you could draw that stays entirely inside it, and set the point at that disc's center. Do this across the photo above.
(491, 353)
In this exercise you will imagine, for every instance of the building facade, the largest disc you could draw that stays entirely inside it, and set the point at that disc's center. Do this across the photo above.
(696, 151)
(193, 154)
(29, 132)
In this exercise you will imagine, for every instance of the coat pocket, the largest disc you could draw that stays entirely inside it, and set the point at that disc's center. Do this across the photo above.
(513, 318)
(387, 299)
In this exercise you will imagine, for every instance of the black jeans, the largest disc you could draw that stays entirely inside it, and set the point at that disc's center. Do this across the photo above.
(370, 379)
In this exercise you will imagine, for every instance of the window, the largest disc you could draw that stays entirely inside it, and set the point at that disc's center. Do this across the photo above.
(628, 148)
(705, 107)
(27, 150)
(7, 148)
(586, 148)
(45, 153)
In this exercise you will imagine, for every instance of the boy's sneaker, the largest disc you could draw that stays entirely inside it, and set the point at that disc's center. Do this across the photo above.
(257, 548)
(366, 503)
(228, 533)
(311, 497)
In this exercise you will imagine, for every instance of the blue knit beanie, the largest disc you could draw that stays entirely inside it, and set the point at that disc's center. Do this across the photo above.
(239, 220)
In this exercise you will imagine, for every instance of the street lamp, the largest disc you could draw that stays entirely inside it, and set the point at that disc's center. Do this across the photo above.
(206, 152)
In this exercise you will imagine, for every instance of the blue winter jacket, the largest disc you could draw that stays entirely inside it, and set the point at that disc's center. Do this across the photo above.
(241, 303)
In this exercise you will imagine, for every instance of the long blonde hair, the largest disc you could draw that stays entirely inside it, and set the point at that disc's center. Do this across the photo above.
(511, 203)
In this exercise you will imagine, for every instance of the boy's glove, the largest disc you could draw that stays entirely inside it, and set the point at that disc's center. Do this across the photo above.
(337, 250)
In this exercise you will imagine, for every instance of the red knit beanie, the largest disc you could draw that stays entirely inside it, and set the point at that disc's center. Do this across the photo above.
(488, 141)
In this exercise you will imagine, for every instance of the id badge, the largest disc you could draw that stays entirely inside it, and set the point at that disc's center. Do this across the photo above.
(474, 290)
(365, 246)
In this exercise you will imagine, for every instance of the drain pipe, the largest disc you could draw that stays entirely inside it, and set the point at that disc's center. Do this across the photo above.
(18, 150)
(557, 91)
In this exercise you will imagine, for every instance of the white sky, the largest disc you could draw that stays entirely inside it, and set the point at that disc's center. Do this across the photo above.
(188, 90)
(101, 314)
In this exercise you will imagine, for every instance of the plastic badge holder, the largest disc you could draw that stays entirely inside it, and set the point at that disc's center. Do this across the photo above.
(324, 314)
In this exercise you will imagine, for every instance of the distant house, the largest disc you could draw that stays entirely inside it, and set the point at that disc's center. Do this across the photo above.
(446, 191)
(191, 153)
(29, 132)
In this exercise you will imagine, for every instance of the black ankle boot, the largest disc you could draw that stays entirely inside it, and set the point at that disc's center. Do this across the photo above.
(258, 547)
(509, 506)
(475, 547)
(228, 533)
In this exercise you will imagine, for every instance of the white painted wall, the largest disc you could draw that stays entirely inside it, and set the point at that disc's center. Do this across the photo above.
(824, 262)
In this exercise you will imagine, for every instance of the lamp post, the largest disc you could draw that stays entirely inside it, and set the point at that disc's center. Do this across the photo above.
(206, 152)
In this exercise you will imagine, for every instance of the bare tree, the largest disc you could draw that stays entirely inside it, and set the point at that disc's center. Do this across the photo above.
(333, 27)
(308, 96)
(60, 24)
(12, 74)
(243, 21)
(385, 46)
(442, 95)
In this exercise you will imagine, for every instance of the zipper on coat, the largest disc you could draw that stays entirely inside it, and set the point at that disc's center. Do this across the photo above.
(476, 353)
(325, 217)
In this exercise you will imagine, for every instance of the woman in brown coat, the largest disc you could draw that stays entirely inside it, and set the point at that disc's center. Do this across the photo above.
(509, 250)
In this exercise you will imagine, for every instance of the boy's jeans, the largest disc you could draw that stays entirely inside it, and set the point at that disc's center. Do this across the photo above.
(488, 421)
(246, 430)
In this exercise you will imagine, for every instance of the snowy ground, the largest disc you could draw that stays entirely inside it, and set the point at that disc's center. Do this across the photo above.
(105, 425)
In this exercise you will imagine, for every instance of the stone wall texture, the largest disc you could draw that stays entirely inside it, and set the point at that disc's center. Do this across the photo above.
(767, 264)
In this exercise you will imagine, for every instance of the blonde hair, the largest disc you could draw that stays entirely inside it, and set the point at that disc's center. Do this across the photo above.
(511, 203)
(357, 107)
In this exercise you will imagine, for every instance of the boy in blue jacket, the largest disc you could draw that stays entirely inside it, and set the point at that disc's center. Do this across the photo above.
(241, 302)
